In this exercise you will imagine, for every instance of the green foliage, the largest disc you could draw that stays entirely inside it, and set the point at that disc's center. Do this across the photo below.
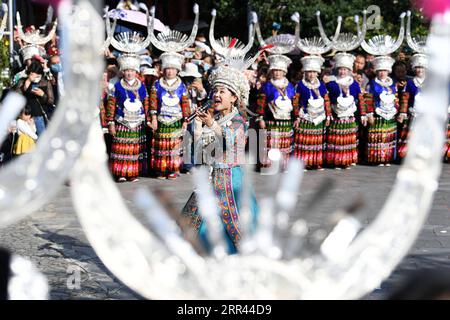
(5, 80)
(232, 16)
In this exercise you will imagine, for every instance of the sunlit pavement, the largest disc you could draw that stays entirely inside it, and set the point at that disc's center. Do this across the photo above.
(52, 237)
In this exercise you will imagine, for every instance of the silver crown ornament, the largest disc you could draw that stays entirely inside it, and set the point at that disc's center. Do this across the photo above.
(417, 43)
(109, 30)
(35, 37)
(282, 43)
(345, 41)
(319, 45)
(381, 45)
(227, 47)
(173, 40)
(161, 262)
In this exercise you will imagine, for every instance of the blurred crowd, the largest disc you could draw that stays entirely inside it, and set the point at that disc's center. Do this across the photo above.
(362, 137)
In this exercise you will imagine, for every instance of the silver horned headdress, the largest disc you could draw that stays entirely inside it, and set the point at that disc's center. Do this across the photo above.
(282, 43)
(417, 43)
(319, 45)
(34, 41)
(345, 41)
(173, 40)
(35, 37)
(233, 79)
(230, 72)
(109, 30)
(230, 47)
(130, 43)
(385, 44)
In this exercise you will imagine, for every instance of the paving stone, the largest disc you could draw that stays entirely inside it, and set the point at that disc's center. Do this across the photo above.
(53, 238)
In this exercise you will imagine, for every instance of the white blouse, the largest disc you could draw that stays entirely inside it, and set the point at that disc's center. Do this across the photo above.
(24, 127)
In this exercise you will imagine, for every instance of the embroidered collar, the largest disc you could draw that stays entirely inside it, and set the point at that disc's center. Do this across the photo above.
(311, 85)
(385, 83)
(280, 84)
(418, 82)
(166, 86)
(134, 87)
(345, 81)
(222, 121)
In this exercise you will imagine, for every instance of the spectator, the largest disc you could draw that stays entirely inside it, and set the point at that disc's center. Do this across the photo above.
(369, 58)
(399, 75)
(369, 71)
(39, 94)
(26, 130)
(58, 83)
(359, 65)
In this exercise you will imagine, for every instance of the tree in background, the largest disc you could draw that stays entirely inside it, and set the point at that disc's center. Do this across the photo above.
(232, 16)
(5, 80)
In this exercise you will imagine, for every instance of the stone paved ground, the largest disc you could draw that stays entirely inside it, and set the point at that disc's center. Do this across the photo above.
(52, 237)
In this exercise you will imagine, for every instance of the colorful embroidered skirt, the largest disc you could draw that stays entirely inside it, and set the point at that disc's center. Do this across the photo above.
(227, 184)
(381, 141)
(167, 149)
(309, 143)
(128, 152)
(342, 142)
(279, 136)
(447, 146)
(403, 138)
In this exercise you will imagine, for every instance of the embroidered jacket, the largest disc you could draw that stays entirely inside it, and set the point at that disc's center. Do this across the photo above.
(159, 93)
(372, 95)
(334, 91)
(115, 108)
(269, 94)
(408, 97)
(304, 94)
(226, 139)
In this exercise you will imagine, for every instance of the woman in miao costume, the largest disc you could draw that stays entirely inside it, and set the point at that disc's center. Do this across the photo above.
(345, 97)
(314, 114)
(169, 101)
(382, 100)
(381, 97)
(419, 63)
(169, 107)
(128, 112)
(226, 133)
(230, 89)
(313, 110)
(275, 108)
(276, 98)
(346, 100)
